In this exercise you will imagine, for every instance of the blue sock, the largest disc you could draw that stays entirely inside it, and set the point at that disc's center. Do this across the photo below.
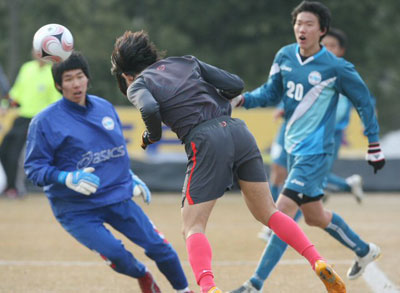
(338, 183)
(275, 190)
(339, 229)
(270, 258)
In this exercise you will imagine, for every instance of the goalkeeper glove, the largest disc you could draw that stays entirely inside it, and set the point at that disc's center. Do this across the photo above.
(237, 101)
(375, 156)
(140, 188)
(82, 181)
(145, 140)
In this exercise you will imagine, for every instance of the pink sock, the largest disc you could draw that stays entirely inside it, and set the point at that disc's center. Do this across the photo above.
(288, 231)
(200, 255)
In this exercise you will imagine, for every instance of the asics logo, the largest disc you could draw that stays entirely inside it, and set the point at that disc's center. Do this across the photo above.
(90, 157)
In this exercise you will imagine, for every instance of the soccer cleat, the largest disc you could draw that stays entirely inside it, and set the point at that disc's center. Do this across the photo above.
(214, 290)
(355, 182)
(148, 284)
(265, 234)
(247, 287)
(331, 280)
(360, 263)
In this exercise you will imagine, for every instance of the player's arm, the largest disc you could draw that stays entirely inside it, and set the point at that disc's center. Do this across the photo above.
(229, 84)
(268, 94)
(143, 100)
(354, 88)
(40, 170)
(39, 155)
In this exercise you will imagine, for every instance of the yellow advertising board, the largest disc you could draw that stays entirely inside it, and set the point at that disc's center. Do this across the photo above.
(260, 122)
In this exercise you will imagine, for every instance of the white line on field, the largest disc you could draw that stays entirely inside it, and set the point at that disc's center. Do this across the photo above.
(378, 281)
(39, 263)
(373, 276)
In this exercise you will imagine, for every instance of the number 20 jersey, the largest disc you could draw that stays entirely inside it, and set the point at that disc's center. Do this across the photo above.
(310, 90)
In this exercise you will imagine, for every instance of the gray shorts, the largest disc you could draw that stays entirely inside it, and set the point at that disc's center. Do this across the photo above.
(217, 150)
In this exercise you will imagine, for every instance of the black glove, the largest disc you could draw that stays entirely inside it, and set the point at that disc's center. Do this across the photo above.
(145, 140)
(375, 156)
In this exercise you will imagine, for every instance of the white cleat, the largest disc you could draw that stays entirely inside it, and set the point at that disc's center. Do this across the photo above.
(360, 263)
(355, 181)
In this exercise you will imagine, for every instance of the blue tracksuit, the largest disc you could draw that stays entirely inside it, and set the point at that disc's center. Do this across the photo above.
(67, 137)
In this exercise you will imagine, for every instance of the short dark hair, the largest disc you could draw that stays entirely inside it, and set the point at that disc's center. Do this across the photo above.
(133, 52)
(75, 61)
(338, 35)
(320, 10)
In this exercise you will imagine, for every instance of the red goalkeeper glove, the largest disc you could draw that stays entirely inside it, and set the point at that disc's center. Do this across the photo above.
(375, 156)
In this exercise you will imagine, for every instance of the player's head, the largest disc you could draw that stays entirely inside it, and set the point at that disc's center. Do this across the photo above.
(311, 21)
(133, 52)
(72, 77)
(335, 41)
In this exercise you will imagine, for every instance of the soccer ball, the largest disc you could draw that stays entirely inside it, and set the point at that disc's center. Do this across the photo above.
(53, 42)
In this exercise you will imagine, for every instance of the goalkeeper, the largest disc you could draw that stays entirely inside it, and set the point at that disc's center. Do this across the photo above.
(77, 151)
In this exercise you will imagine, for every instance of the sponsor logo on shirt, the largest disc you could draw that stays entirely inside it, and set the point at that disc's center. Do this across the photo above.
(108, 123)
(297, 182)
(90, 157)
(286, 68)
(314, 77)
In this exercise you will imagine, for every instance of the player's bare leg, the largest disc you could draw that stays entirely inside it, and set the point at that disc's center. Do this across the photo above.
(195, 218)
(260, 203)
(315, 215)
(278, 174)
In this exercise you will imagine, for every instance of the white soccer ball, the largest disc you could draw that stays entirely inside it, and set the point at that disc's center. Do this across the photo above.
(53, 42)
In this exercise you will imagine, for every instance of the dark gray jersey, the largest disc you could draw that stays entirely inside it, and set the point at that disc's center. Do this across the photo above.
(182, 92)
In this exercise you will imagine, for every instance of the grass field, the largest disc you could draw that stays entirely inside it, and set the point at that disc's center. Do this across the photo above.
(37, 255)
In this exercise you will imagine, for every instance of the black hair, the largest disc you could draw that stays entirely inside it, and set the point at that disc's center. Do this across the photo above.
(75, 61)
(338, 35)
(133, 52)
(320, 10)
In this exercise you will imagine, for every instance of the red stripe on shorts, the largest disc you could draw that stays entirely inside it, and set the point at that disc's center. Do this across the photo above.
(189, 198)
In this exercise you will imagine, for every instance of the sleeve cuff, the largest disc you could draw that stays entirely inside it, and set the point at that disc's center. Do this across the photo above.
(52, 177)
(373, 138)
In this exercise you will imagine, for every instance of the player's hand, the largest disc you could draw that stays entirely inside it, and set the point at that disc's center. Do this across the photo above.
(375, 156)
(237, 101)
(145, 140)
(140, 188)
(82, 181)
(278, 113)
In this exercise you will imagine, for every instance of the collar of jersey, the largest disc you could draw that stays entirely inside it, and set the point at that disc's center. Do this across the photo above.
(311, 58)
(76, 107)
